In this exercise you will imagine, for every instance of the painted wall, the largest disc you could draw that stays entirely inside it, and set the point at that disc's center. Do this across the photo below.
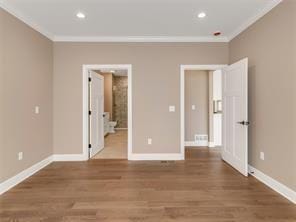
(270, 46)
(26, 81)
(197, 94)
(156, 85)
(120, 101)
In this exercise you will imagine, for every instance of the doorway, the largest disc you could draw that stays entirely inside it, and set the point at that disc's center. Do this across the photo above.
(107, 111)
(233, 110)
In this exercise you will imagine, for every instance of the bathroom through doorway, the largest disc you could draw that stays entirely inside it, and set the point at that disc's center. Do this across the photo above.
(109, 112)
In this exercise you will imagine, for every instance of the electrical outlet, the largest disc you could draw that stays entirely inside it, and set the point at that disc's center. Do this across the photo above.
(193, 107)
(149, 141)
(20, 155)
(172, 108)
(262, 157)
(37, 109)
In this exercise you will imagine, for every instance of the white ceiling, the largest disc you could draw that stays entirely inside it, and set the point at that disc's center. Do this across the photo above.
(139, 20)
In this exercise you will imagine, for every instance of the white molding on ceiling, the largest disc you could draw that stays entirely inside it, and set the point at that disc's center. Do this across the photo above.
(140, 39)
(252, 20)
(25, 19)
(32, 24)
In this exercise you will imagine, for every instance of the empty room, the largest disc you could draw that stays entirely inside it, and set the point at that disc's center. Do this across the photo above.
(128, 110)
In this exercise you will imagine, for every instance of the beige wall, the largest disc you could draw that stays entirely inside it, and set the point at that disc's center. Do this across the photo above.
(270, 46)
(26, 81)
(108, 93)
(156, 85)
(196, 93)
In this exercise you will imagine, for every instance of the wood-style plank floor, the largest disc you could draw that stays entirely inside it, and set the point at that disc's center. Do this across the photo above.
(201, 189)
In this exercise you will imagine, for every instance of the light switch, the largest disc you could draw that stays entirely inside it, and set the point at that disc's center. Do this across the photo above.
(193, 107)
(37, 109)
(172, 108)
(149, 141)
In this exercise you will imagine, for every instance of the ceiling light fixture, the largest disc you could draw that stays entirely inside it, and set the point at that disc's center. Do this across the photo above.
(202, 15)
(80, 15)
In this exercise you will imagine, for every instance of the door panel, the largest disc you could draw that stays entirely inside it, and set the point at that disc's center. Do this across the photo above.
(235, 110)
(97, 111)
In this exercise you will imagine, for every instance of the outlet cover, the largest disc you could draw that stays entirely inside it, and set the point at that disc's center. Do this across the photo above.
(172, 108)
(262, 157)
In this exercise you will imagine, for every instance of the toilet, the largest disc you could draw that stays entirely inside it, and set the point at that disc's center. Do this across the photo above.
(112, 125)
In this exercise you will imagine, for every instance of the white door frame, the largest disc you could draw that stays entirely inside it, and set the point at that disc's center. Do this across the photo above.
(182, 95)
(85, 103)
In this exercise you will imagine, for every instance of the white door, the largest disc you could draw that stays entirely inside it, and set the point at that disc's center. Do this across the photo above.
(96, 118)
(235, 116)
(217, 97)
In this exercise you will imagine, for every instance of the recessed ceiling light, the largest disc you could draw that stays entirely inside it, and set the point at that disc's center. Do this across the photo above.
(80, 15)
(202, 15)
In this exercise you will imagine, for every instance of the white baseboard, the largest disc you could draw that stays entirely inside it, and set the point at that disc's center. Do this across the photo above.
(69, 157)
(212, 144)
(121, 128)
(13, 181)
(273, 184)
(195, 143)
(156, 156)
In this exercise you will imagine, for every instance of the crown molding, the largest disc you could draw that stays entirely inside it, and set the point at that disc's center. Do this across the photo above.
(253, 19)
(139, 39)
(25, 19)
(180, 39)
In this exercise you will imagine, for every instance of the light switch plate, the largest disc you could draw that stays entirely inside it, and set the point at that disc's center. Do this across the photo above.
(262, 156)
(149, 141)
(20, 155)
(193, 107)
(172, 108)
(37, 109)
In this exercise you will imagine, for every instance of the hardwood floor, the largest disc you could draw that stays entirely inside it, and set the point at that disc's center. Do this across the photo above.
(115, 146)
(201, 189)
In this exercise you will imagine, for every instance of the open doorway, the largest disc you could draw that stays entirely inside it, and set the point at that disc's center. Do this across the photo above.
(109, 113)
(203, 108)
(205, 111)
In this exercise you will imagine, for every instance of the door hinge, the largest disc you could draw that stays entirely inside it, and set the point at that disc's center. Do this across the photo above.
(89, 146)
(89, 79)
(89, 112)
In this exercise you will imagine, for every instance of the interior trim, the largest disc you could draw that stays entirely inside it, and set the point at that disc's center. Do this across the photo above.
(254, 19)
(13, 181)
(139, 39)
(57, 38)
(273, 184)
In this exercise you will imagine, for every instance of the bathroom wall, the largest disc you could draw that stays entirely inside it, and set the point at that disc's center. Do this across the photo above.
(108, 93)
(196, 93)
(120, 100)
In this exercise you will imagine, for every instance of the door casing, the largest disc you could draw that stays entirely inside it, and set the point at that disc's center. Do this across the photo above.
(85, 109)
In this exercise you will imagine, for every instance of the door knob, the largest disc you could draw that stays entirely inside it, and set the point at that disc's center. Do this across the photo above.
(245, 123)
